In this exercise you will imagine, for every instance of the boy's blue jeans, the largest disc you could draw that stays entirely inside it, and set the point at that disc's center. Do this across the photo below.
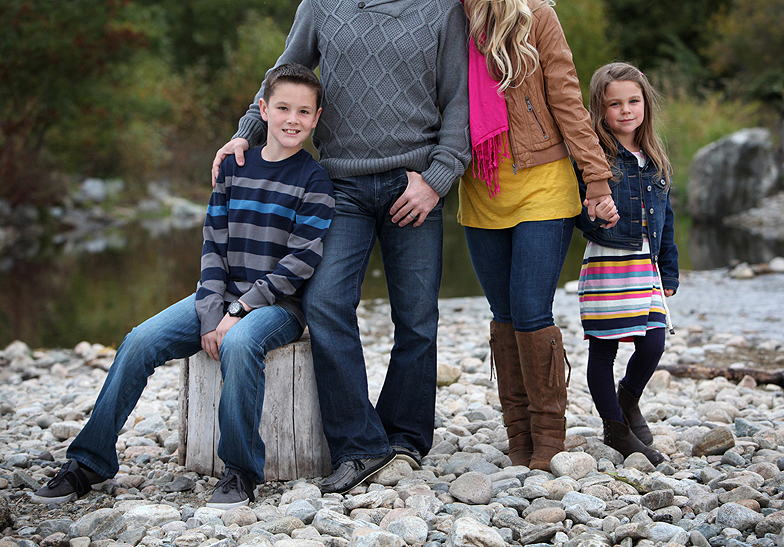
(405, 412)
(174, 334)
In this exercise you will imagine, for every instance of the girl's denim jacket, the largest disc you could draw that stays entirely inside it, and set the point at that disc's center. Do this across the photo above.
(629, 184)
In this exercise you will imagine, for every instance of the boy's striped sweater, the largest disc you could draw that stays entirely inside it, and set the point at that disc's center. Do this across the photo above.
(263, 234)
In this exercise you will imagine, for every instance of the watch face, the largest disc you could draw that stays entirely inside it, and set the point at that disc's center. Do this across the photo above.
(235, 308)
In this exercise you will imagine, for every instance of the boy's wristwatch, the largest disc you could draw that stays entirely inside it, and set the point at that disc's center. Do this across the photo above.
(236, 309)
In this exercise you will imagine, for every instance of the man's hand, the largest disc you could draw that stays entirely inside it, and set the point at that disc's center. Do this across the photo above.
(603, 207)
(668, 292)
(416, 202)
(237, 147)
(212, 341)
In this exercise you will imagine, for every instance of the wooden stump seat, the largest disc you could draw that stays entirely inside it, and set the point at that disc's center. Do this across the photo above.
(290, 420)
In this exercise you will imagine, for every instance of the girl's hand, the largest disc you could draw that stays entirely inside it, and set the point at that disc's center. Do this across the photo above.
(604, 208)
(668, 292)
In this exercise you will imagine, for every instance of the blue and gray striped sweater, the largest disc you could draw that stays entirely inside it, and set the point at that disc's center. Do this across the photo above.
(263, 234)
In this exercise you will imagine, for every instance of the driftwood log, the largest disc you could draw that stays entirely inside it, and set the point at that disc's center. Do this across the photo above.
(734, 374)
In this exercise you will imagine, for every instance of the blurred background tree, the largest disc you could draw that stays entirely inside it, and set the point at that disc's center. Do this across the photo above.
(585, 26)
(147, 90)
(746, 50)
(57, 62)
(136, 89)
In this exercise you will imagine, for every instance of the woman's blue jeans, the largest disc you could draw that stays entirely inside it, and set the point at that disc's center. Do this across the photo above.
(175, 334)
(519, 268)
(405, 411)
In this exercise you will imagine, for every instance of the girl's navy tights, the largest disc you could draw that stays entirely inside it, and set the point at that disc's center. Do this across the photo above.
(642, 364)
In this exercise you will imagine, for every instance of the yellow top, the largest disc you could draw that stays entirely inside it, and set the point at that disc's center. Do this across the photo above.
(543, 192)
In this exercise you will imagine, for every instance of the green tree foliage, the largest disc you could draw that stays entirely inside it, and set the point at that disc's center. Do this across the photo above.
(648, 33)
(747, 49)
(585, 25)
(52, 56)
(199, 31)
(129, 88)
(210, 103)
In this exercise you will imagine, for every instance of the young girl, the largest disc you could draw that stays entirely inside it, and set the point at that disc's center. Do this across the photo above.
(626, 267)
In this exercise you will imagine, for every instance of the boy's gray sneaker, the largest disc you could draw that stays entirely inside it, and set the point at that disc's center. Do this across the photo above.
(71, 482)
(233, 490)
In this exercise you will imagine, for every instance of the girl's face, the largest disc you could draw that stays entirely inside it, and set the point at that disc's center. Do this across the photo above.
(624, 110)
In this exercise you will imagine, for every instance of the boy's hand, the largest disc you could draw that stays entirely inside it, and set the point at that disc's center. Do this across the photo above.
(209, 343)
(604, 208)
(416, 202)
(668, 292)
(212, 341)
(237, 147)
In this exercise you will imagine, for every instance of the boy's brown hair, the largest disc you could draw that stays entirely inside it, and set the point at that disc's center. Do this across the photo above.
(293, 73)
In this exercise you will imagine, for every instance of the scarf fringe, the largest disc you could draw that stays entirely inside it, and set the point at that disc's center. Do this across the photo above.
(487, 158)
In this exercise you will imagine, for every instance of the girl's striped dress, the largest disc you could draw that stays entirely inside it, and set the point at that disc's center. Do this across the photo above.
(620, 291)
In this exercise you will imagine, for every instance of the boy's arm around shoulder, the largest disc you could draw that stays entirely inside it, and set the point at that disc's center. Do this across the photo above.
(305, 245)
(668, 254)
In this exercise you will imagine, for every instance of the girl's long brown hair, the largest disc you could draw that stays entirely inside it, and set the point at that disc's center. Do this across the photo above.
(501, 29)
(645, 137)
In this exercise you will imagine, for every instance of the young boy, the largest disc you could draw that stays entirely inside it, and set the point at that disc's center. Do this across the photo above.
(262, 240)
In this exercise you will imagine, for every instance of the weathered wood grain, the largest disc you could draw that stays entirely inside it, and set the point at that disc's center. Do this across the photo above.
(290, 421)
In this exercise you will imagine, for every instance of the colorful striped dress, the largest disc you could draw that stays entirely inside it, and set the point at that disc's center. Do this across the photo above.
(620, 291)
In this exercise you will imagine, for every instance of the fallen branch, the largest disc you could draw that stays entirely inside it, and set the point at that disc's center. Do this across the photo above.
(734, 374)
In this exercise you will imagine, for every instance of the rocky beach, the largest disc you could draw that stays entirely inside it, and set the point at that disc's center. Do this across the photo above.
(721, 484)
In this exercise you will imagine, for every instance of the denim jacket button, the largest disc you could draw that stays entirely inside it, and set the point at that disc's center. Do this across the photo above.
(650, 210)
(649, 187)
(654, 234)
(361, 5)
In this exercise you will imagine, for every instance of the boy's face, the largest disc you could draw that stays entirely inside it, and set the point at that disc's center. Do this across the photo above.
(290, 115)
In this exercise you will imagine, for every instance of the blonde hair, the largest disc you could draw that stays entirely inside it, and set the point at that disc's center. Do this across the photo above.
(645, 136)
(501, 30)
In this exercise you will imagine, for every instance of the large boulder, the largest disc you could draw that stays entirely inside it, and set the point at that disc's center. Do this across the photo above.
(732, 175)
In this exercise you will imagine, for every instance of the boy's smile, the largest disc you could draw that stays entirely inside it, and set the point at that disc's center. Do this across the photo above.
(290, 115)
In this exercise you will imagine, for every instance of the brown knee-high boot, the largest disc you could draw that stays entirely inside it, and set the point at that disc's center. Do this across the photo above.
(511, 392)
(542, 359)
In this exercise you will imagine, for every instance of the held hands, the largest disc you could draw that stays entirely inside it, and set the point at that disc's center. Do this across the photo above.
(668, 292)
(237, 147)
(212, 341)
(416, 202)
(604, 208)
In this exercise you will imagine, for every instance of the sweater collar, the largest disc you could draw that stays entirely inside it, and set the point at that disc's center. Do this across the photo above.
(393, 8)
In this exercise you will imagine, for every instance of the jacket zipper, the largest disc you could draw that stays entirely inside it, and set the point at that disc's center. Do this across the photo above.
(531, 109)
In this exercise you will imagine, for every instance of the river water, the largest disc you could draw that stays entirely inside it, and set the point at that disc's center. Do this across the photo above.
(100, 289)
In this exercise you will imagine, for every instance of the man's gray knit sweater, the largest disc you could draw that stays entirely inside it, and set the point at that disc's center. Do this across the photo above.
(395, 83)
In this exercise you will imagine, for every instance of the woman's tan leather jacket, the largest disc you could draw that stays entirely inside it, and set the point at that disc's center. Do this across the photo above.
(546, 111)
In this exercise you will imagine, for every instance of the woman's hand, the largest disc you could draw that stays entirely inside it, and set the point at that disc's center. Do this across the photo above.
(604, 208)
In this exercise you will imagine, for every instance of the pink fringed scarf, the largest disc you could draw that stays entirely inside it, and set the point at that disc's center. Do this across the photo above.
(488, 120)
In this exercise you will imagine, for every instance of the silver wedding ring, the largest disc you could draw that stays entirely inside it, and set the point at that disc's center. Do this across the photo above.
(412, 215)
